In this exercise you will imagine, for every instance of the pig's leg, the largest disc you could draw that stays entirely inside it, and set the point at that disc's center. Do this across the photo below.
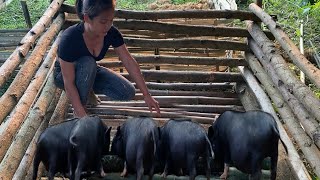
(139, 165)
(52, 171)
(102, 173)
(165, 171)
(274, 162)
(125, 170)
(80, 164)
(256, 168)
(224, 175)
(208, 159)
(192, 167)
(151, 172)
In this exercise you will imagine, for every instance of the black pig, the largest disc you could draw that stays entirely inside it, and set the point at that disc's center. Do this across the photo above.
(89, 140)
(244, 139)
(52, 149)
(182, 143)
(136, 142)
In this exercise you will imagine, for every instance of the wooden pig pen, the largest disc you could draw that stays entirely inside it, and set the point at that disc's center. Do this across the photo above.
(193, 65)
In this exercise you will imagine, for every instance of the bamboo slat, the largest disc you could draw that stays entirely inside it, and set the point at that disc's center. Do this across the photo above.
(191, 86)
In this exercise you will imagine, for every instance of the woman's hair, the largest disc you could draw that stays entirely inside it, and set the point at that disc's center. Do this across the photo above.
(93, 7)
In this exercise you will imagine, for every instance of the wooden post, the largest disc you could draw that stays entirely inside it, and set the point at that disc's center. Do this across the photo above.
(26, 13)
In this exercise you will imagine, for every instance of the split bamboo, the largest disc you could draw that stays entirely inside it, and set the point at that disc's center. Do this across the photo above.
(15, 153)
(27, 42)
(266, 105)
(13, 94)
(21, 110)
(291, 49)
(190, 86)
(298, 89)
(189, 93)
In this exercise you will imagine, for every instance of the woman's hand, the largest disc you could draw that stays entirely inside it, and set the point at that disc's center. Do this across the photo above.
(152, 104)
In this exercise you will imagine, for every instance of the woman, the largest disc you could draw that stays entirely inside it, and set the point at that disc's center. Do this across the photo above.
(81, 45)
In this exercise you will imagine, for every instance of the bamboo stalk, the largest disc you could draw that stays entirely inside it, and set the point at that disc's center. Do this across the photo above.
(60, 111)
(265, 103)
(283, 99)
(27, 159)
(304, 65)
(294, 85)
(26, 43)
(20, 111)
(189, 76)
(17, 149)
(186, 43)
(13, 94)
(189, 60)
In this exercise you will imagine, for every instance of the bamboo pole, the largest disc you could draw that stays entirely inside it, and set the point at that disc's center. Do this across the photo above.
(189, 76)
(294, 85)
(11, 161)
(170, 14)
(189, 93)
(17, 88)
(17, 116)
(26, 43)
(266, 105)
(283, 99)
(304, 65)
(247, 97)
(61, 109)
(186, 43)
(27, 159)
(187, 60)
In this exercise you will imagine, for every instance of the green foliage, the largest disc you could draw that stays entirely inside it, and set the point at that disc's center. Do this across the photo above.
(133, 4)
(182, 1)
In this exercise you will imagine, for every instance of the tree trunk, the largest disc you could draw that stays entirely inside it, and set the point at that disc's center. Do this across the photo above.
(26, 43)
(186, 43)
(16, 118)
(18, 148)
(308, 148)
(304, 65)
(283, 99)
(27, 160)
(292, 83)
(265, 103)
(13, 94)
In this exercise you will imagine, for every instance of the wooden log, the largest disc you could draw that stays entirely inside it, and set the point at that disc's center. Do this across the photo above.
(190, 86)
(265, 103)
(294, 53)
(60, 111)
(27, 42)
(17, 116)
(292, 83)
(189, 93)
(283, 99)
(189, 30)
(170, 14)
(10, 98)
(247, 97)
(186, 43)
(27, 159)
(17, 149)
(189, 76)
(164, 114)
(192, 100)
(191, 60)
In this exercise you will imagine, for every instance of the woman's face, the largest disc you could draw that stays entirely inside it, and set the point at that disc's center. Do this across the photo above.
(101, 24)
